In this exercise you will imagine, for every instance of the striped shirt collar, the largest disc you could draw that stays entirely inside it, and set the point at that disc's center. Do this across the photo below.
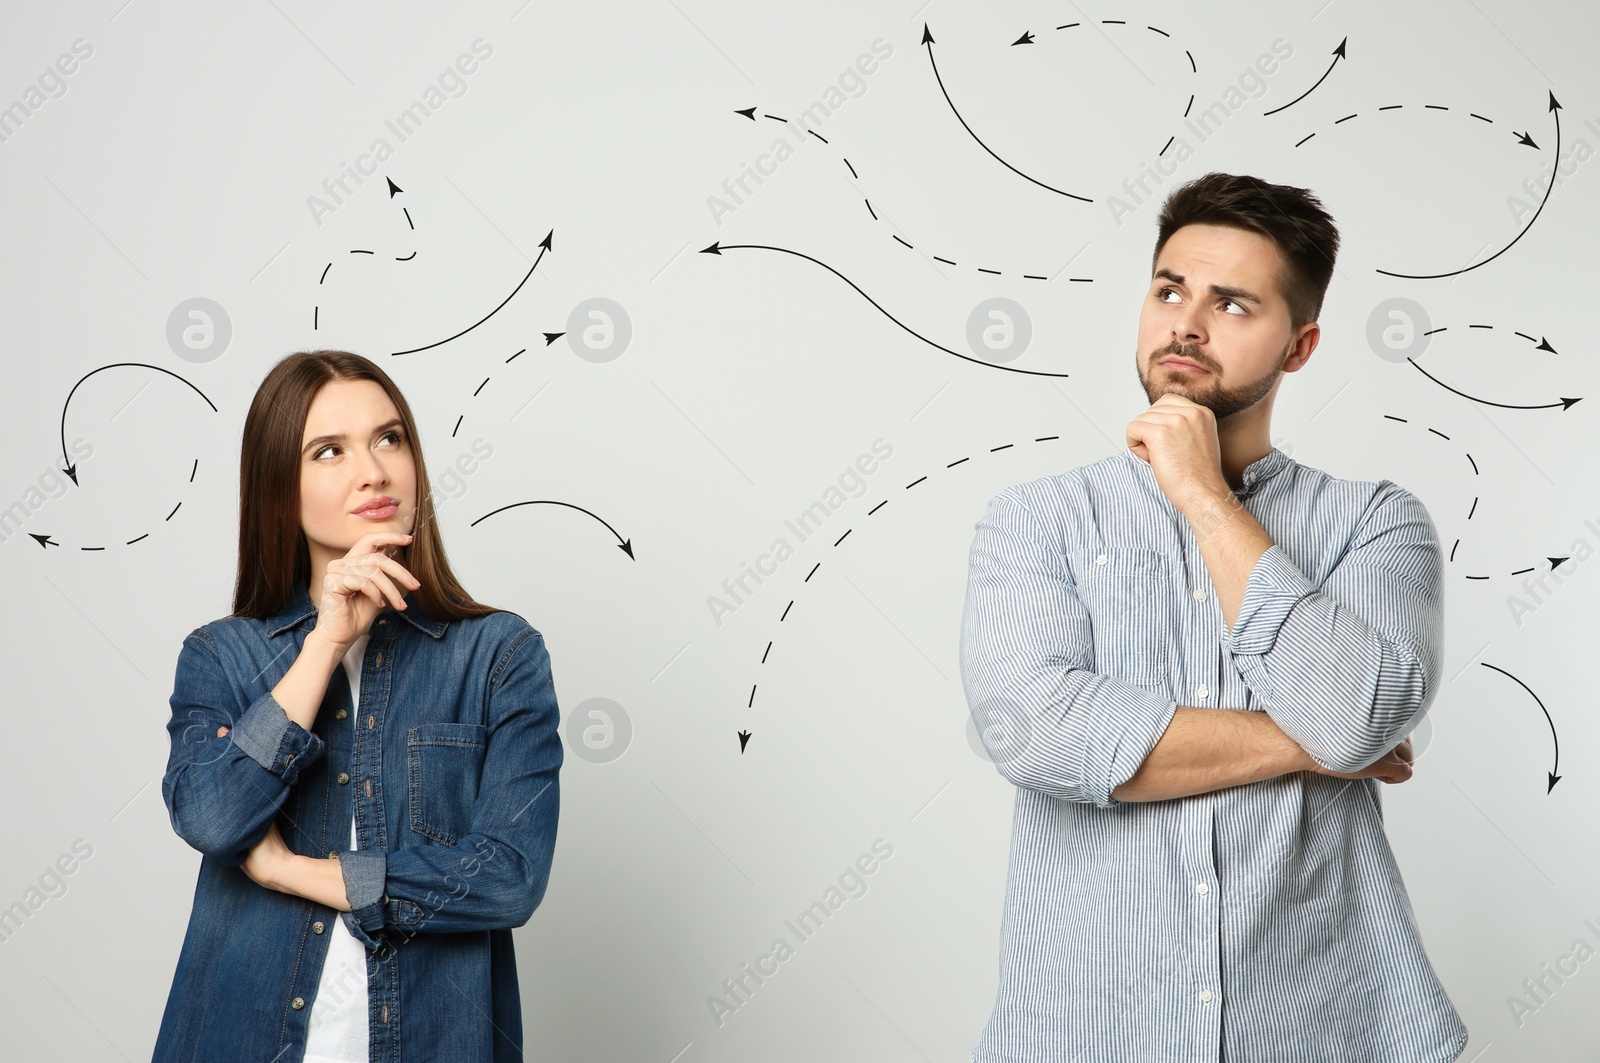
(1256, 473)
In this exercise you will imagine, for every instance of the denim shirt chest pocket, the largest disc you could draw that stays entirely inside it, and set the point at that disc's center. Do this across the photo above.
(443, 763)
(1127, 592)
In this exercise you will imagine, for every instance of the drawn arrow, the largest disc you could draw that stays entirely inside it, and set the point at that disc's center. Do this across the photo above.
(717, 248)
(71, 469)
(744, 740)
(1338, 54)
(544, 245)
(1565, 403)
(1554, 778)
(625, 545)
(1555, 110)
(927, 41)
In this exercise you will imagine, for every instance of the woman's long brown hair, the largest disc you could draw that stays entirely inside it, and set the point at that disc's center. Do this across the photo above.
(269, 494)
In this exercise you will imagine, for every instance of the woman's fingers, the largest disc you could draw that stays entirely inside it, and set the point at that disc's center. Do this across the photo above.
(389, 564)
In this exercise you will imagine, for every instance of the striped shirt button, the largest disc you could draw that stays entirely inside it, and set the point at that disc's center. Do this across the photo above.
(1199, 594)
(1100, 560)
(1202, 692)
(1205, 996)
(1201, 888)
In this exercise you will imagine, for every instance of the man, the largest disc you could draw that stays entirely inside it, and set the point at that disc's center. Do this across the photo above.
(1196, 659)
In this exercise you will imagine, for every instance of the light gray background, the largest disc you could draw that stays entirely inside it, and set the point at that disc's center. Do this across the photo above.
(178, 162)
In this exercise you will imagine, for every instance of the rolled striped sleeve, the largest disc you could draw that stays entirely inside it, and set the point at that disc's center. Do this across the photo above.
(1347, 669)
(1049, 721)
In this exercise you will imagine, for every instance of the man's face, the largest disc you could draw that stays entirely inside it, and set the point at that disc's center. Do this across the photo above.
(1214, 301)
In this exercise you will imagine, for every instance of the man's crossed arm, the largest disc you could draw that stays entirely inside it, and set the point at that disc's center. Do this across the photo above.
(1340, 670)
(1212, 749)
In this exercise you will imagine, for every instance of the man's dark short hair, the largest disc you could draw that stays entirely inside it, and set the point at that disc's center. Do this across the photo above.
(1292, 218)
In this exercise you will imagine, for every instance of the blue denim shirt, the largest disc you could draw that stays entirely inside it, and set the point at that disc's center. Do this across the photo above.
(450, 773)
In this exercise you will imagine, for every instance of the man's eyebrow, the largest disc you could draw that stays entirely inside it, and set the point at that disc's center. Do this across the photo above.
(1216, 289)
(320, 441)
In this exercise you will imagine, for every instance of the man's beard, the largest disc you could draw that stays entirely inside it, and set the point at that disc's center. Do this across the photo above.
(1202, 390)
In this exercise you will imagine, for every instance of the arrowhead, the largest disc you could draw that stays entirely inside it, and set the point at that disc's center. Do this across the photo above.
(1556, 562)
(927, 34)
(551, 337)
(1554, 778)
(1544, 345)
(72, 471)
(1026, 38)
(1339, 51)
(1566, 403)
(1526, 141)
(744, 740)
(626, 546)
(748, 112)
(44, 541)
(712, 250)
(1555, 105)
(393, 188)
(546, 242)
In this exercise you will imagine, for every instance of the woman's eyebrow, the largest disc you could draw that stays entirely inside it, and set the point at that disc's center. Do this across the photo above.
(320, 440)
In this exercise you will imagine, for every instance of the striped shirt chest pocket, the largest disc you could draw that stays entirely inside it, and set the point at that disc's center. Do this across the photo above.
(1127, 593)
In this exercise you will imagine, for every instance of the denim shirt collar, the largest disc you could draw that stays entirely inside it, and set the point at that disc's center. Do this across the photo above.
(299, 608)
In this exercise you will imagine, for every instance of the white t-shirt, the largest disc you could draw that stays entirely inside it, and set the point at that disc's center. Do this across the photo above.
(338, 1025)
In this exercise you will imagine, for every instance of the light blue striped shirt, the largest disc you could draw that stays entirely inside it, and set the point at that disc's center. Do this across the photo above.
(1263, 923)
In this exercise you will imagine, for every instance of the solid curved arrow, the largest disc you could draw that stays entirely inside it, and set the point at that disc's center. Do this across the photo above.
(717, 248)
(1554, 778)
(1338, 54)
(544, 245)
(625, 545)
(71, 469)
(927, 41)
(1555, 109)
(1565, 403)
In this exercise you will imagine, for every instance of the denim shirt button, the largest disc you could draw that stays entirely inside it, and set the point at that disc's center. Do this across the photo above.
(317, 928)
(297, 1003)
(344, 777)
(341, 714)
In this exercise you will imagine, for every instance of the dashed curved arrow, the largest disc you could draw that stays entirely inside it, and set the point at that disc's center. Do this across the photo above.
(744, 735)
(316, 310)
(1555, 562)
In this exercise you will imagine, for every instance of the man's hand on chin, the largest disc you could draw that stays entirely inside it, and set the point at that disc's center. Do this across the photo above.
(1178, 438)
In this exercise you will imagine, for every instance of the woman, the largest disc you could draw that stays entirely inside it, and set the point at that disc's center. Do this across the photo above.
(368, 842)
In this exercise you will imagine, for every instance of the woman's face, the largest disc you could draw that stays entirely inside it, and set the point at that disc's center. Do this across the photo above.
(354, 449)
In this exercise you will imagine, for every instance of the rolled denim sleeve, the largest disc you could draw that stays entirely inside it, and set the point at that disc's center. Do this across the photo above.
(1347, 669)
(274, 741)
(1049, 721)
(496, 874)
(222, 792)
(364, 872)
